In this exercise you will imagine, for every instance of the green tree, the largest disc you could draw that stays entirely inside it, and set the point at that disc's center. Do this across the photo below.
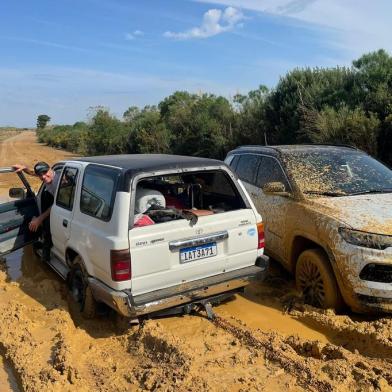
(297, 93)
(345, 126)
(250, 125)
(131, 113)
(107, 134)
(201, 125)
(373, 92)
(335, 105)
(42, 121)
(148, 133)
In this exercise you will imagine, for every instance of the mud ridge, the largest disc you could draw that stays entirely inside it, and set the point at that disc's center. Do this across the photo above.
(340, 369)
(15, 379)
(370, 338)
(272, 352)
(163, 362)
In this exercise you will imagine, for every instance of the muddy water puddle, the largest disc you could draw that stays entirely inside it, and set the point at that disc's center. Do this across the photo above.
(14, 264)
(24, 263)
(266, 315)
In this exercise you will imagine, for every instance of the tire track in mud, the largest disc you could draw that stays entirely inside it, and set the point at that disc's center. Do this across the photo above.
(277, 355)
(204, 357)
(340, 369)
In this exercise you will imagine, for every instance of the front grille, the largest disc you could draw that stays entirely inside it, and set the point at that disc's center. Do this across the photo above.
(377, 273)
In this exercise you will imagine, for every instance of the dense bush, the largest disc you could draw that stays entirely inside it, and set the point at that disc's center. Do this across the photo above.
(337, 105)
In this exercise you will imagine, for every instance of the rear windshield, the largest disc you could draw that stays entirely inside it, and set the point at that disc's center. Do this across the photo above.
(184, 196)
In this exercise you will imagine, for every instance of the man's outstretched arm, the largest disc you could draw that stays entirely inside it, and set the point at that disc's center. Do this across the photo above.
(18, 168)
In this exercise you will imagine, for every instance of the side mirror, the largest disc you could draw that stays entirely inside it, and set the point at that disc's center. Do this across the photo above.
(17, 193)
(275, 188)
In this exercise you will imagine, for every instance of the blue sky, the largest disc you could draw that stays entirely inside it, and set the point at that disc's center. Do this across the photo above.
(62, 57)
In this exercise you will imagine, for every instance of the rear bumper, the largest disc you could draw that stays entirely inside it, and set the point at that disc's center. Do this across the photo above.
(133, 306)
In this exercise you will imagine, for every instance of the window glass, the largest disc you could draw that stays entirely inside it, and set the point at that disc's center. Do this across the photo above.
(67, 187)
(270, 171)
(234, 162)
(98, 190)
(247, 167)
(169, 197)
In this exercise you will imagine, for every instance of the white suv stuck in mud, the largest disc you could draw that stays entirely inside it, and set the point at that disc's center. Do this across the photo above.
(145, 233)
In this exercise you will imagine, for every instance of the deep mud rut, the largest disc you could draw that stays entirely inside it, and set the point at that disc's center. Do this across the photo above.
(265, 339)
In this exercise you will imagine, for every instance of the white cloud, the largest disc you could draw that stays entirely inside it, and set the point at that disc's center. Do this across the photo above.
(356, 26)
(214, 22)
(134, 35)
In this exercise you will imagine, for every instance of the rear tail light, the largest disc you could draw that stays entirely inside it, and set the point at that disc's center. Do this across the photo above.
(260, 235)
(120, 261)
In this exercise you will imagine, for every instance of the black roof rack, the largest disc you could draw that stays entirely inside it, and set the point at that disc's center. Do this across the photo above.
(329, 144)
(281, 146)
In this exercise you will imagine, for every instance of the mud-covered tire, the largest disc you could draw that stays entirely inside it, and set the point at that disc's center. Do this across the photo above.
(316, 280)
(80, 291)
(89, 310)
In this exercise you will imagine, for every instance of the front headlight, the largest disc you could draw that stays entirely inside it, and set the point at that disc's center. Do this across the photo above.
(368, 240)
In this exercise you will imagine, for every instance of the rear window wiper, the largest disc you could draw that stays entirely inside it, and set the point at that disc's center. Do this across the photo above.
(326, 193)
(370, 191)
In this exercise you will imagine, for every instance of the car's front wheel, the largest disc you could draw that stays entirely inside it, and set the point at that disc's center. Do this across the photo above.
(316, 280)
(81, 292)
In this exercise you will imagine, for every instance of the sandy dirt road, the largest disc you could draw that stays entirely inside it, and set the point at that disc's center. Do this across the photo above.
(266, 339)
(23, 149)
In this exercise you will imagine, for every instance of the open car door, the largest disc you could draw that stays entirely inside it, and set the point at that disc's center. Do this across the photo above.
(18, 206)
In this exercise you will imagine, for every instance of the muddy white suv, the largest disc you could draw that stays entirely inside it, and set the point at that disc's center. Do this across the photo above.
(328, 217)
(145, 233)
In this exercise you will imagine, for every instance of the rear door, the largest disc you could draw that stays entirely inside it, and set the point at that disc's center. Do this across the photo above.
(273, 208)
(176, 252)
(63, 207)
(15, 214)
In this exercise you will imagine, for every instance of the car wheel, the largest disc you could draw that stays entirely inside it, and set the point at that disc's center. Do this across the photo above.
(316, 280)
(81, 292)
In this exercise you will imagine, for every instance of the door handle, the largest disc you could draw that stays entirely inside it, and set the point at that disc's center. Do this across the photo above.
(65, 223)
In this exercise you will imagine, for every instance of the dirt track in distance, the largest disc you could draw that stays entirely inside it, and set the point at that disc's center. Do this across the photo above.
(264, 340)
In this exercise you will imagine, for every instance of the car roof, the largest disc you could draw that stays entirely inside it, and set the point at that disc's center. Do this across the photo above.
(134, 163)
(287, 148)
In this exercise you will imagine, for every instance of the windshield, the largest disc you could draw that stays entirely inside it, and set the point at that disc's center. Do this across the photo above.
(338, 172)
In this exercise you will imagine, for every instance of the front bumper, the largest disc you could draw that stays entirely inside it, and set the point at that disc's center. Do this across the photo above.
(133, 306)
(365, 295)
(369, 304)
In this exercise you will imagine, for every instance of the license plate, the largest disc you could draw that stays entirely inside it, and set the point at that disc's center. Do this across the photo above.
(198, 252)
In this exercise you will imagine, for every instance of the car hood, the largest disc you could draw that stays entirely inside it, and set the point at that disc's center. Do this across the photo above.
(371, 213)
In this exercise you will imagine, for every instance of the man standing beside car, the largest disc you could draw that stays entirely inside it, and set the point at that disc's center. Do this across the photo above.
(50, 180)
